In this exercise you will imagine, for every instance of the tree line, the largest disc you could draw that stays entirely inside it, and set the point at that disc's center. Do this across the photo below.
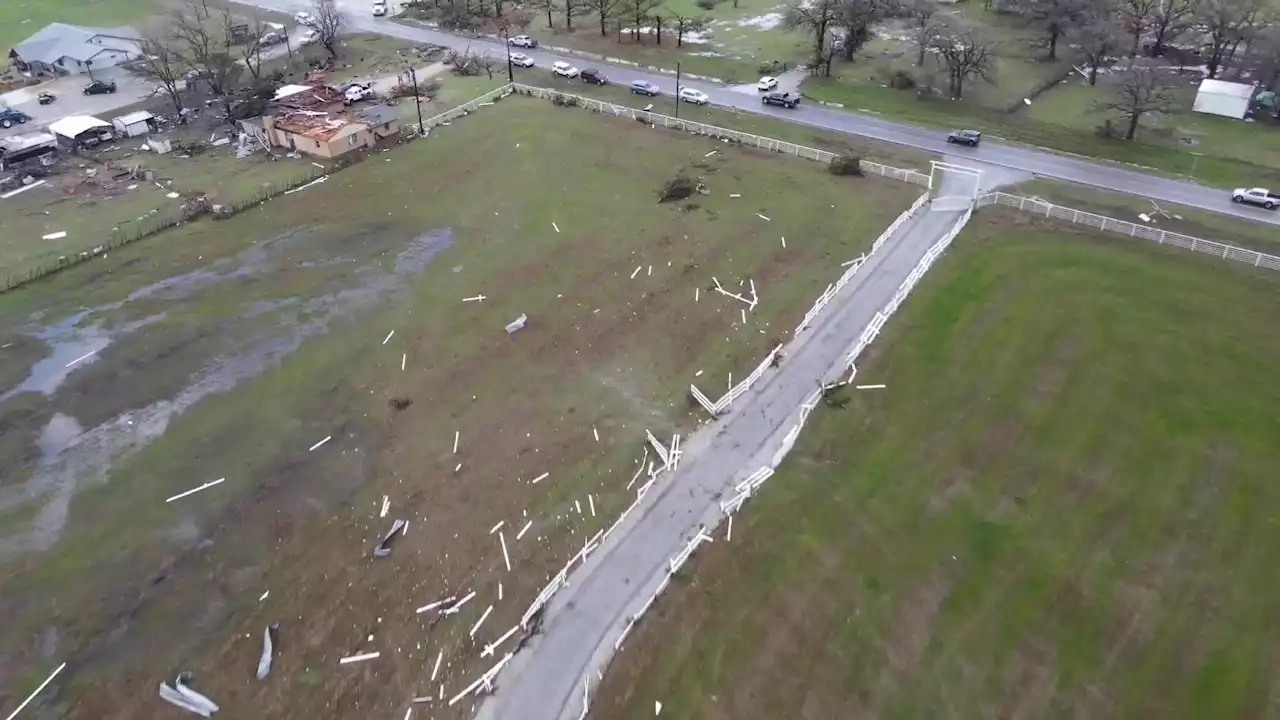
(197, 43)
(1097, 34)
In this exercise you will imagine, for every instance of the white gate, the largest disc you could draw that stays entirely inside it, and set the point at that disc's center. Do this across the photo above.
(953, 187)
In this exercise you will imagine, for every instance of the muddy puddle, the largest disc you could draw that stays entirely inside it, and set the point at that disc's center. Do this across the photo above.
(72, 457)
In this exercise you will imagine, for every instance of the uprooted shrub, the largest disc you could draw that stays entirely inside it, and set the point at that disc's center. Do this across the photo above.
(845, 165)
(678, 188)
(564, 100)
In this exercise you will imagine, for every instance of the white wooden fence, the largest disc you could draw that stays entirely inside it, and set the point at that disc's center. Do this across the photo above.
(1122, 227)
(697, 128)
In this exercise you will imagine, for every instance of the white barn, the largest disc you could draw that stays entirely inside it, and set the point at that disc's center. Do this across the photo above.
(1228, 99)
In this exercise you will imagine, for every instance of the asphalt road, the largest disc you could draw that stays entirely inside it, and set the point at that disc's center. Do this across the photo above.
(1038, 162)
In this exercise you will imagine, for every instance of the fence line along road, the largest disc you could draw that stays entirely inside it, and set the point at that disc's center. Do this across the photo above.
(1101, 222)
(1123, 227)
(758, 141)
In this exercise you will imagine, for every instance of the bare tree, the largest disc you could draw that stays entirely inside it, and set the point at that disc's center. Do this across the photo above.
(251, 51)
(161, 62)
(605, 11)
(1227, 23)
(1098, 43)
(855, 18)
(1172, 18)
(329, 22)
(572, 9)
(923, 28)
(638, 11)
(964, 53)
(550, 7)
(203, 43)
(1139, 17)
(686, 24)
(1140, 90)
(1054, 18)
(815, 19)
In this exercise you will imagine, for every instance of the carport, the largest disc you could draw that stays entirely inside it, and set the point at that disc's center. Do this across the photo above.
(78, 130)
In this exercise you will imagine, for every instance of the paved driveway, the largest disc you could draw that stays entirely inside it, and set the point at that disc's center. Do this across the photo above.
(72, 101)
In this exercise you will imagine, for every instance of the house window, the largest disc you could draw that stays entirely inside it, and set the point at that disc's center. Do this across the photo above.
(353, 139)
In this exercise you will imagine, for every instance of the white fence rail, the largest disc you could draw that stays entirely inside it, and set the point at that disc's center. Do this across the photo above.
(1122, 227)
(697, 128)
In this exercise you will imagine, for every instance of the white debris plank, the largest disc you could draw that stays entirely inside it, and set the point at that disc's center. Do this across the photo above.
(475, 628)
(322, 442)
(359, 658)
(192, 491)
(524, 529)
(505, 557)
(43, 685)
(387, 339)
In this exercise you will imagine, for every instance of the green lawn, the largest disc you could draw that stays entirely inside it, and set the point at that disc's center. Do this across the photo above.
(560, 222)
(1063, 505)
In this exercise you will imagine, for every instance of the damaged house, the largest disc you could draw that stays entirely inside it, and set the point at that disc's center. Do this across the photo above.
(313, 120)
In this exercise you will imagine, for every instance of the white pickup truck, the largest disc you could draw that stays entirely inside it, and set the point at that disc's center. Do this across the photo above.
(1261, 197)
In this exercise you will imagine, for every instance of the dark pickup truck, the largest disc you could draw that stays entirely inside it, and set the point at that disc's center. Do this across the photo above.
(1261, 197)
(781, 99)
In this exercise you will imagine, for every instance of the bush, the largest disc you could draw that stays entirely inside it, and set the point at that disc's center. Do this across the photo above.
(706, 4)
(1106, 129)
(678, 188)
(845, 165)
(564, 100)
(902, 80)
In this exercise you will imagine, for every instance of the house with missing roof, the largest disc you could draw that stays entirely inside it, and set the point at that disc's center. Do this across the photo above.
(313, 120)
(61, 49)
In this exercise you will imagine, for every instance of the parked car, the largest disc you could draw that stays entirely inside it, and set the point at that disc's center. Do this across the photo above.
(304, 18)
(379, 8)
(9, 116)
(767, 83)
(522, 41)
(782, 99)
(271, 38)
(100, 87)
(355, 92)
(592, 76)
(46, 98)
(1261, 197)
(697, 97)
(521, 60)
(310, 37)
(564, 69)
(965, 137)
(644, 87)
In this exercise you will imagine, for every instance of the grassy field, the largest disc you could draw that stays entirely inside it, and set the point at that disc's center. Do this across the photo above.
(227, 349)
(1061, 506)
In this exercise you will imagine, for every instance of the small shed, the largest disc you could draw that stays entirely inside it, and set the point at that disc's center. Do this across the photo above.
(134, 124)
(81, 130)
(1228, 99)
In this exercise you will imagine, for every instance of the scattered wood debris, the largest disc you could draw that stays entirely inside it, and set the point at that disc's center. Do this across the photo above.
(192, 491)
(359, 658)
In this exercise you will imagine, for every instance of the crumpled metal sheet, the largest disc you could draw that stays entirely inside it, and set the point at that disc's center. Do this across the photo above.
(268, 645)
(384, 548)
(181, 695)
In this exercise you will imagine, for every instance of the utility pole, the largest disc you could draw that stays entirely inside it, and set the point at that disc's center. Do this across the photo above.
(506, 40)
(417, 100)
(677, 90)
